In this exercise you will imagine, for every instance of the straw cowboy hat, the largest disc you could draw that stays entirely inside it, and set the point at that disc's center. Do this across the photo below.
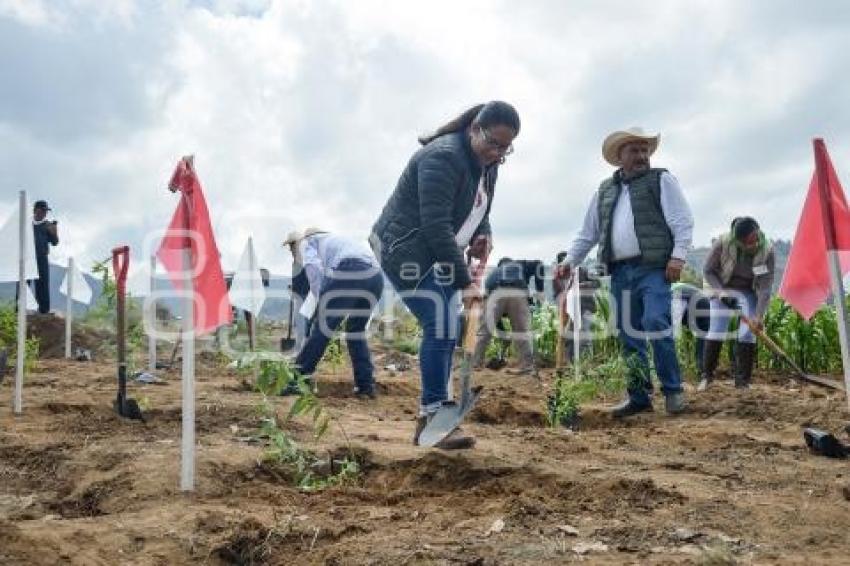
(296, 236)
(615, 141)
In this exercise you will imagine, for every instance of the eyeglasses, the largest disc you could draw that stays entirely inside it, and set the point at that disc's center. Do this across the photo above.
(505, 150)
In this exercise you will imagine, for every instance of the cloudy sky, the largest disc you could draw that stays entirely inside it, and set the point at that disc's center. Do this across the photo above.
(305, 112)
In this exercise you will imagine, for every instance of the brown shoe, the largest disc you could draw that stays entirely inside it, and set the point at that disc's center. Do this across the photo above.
(456, 440)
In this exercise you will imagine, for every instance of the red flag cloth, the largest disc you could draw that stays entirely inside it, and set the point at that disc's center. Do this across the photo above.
(806, 283)
(191, 229)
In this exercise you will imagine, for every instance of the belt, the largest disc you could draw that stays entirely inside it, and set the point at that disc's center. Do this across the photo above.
(627, 261)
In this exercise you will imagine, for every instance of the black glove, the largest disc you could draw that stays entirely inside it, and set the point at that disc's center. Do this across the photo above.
(729, 302)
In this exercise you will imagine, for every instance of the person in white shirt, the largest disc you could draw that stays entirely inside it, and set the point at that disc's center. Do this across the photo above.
(346, 284)
(643, 225)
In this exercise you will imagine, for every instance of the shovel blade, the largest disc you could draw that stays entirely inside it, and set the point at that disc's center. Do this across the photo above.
(129, 409)
(287, 344)
(822, 381)
(448, 417)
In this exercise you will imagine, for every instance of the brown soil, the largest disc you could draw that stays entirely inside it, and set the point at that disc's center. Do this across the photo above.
(728, 482)
(50, 331)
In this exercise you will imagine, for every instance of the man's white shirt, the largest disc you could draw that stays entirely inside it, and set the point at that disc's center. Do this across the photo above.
(624, 240)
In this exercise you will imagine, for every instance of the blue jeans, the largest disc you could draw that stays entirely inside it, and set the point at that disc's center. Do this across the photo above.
(436, 305)
(643, 299)
(351, 292)
(721, 315)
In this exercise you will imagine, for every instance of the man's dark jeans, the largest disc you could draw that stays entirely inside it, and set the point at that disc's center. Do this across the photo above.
(349, 293)
(643, 300)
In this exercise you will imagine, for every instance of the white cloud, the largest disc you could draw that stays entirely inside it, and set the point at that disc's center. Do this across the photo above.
(304, 113)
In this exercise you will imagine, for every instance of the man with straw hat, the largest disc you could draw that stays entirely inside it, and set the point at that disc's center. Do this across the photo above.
(346, 284)
(643, 225)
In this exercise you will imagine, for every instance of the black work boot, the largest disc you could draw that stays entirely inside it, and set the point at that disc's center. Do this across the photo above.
(630, 407)
(710, 357)
(745, 354)
(674, 403)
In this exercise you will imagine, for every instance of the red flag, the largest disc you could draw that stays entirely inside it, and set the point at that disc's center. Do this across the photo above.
(191, 229)
(824, 226)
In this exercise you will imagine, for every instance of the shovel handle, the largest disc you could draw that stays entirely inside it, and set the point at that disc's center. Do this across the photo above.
(771, 344)
(563, 319)
(120, 265)
(474, 306)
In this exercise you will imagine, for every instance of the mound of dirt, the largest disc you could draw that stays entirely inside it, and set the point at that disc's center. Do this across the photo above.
(78, 483)
(50, 331)
(492, 410)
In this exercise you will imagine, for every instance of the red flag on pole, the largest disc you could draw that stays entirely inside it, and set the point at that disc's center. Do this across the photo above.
(191, 229)
(824, 227)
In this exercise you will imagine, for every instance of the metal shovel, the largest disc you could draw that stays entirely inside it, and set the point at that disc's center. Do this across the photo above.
(774, 347)
(288, 343)
(127, 408)
(451, 414)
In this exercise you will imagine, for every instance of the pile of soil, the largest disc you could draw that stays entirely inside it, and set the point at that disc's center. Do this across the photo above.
(728, 482)
(50, 331)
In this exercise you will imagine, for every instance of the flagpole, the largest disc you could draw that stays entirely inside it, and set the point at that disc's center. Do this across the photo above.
(152, 320)
(833, 258)
(69, 306)
(22, 301)
(187, 469)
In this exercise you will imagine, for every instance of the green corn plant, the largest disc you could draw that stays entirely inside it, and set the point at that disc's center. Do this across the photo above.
(544, 326)
(601, 377)
(273, 375)
(9, 337)
(605, 343)
(407, 334)
(333, 353)
(813, 345)
(498, 345)
(685, 348)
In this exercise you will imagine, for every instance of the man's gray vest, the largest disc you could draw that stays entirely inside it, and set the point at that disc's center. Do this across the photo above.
(653, 234)
(729, 257)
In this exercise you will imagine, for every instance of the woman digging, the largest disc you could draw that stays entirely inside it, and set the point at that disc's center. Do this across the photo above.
(439, 209)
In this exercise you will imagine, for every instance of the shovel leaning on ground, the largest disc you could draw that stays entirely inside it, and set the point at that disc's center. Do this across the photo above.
(127, 408)
(774, 347)
(288, 343)
(173, 358)
(452, 413)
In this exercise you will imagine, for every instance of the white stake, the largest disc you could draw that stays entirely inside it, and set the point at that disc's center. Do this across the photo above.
(577, 345)
(22, 300)
(152, 320)
(69, 306)
(187, 469)
(574, 310)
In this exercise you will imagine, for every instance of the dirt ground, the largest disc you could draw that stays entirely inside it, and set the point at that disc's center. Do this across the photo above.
(728, 482)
